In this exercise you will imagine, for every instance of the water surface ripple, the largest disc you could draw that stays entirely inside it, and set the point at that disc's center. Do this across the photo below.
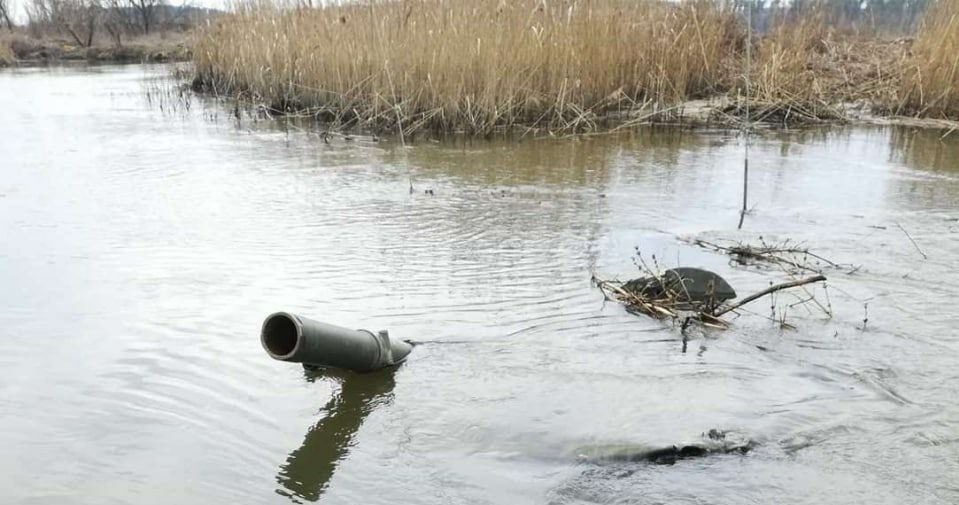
(142, 248)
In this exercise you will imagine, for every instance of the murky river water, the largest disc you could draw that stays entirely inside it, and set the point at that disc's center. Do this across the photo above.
(141, 249)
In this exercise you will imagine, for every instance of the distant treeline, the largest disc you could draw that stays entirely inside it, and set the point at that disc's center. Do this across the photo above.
(889, 16)
(85, 21)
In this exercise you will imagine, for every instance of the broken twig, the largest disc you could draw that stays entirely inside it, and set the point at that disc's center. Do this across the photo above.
(914, 244)
(770, 289)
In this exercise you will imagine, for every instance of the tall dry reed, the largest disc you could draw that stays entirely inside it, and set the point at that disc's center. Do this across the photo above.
(931, 79)
(6, 51)
(472, 65)
(784, 70)
(808, 68)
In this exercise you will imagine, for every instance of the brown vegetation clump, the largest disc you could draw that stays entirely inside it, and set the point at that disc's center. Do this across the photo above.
(479, 66)
(6, 53)
(931, 78)
(808, 69)
(470, 65)
(792, 67)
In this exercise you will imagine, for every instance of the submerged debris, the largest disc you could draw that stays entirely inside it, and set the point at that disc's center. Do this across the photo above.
(789, 255)
(713, 442)
(693, 294)
(689, 285)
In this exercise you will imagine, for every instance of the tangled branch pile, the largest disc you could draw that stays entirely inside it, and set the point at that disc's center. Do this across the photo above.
(670, 304)
(796, 258)
(663, 295)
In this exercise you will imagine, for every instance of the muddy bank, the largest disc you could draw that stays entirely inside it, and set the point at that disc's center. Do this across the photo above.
(724, 111)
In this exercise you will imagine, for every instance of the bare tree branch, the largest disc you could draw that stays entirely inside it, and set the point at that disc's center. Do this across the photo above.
(770, 289)
(5, 16)
(79, 19)
(147, 11)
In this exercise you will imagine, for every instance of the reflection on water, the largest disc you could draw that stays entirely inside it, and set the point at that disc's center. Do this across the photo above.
(932, 150)
(141, 250)
(309, 468)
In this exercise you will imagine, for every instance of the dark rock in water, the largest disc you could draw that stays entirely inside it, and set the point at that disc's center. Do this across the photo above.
(687, 284)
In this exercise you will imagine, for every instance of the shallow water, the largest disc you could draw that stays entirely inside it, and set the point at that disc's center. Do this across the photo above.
(142, 248)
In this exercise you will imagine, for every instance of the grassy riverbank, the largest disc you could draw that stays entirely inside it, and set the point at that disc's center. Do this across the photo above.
(20, 47)
(483, 65)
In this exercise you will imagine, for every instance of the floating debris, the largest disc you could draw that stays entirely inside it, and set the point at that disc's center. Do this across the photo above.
(690, 286)
(690, 294)
(787, 254)
(713, 442)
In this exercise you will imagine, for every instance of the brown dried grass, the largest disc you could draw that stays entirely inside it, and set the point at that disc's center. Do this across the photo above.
(470, 65)
(6, 51)
(806, 69)
(484, 65)
(930, 85)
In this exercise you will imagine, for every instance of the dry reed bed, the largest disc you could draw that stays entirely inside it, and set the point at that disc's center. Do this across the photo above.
(805, 70)
(472, 65)
(931, 80)
(482, 65)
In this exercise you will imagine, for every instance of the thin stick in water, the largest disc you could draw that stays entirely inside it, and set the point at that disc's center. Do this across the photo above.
(749, 43)
(914, 244)
(770, 289)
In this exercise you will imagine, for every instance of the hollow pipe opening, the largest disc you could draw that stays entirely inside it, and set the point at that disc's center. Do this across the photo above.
(281, 335)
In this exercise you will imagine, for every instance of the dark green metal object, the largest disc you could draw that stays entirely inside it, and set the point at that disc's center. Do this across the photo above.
(289, 337)
(687, 284)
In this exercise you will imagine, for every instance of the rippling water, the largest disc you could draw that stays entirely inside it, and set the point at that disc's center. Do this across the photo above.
(142, 248)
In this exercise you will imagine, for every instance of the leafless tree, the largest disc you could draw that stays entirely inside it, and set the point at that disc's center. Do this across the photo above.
(77, 18)
(82, 20)
(116, 20)
(85, 20)
(5, 14)
(182, 15)
(146, 12)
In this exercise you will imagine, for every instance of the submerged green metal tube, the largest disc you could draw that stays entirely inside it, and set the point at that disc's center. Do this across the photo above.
(297, 339)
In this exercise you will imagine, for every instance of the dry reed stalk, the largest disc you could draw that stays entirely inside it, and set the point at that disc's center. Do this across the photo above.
(6, 53)
(470, 65)
(807, 70)
(487, 65)
(930, 85)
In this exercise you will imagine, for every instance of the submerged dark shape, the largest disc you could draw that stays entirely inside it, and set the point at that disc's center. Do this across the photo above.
(713, 442)
(686, 284)
(670, 455)
(289, 337)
